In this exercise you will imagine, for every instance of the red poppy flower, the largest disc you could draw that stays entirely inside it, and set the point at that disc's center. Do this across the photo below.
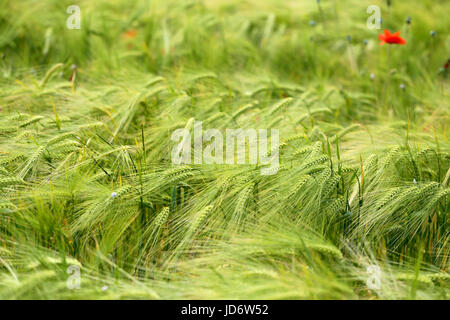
(391, 38)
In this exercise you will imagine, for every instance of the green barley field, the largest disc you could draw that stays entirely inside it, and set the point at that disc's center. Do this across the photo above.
(92, 205)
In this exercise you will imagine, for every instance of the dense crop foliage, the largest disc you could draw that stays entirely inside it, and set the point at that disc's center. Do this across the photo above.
(86, 176)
